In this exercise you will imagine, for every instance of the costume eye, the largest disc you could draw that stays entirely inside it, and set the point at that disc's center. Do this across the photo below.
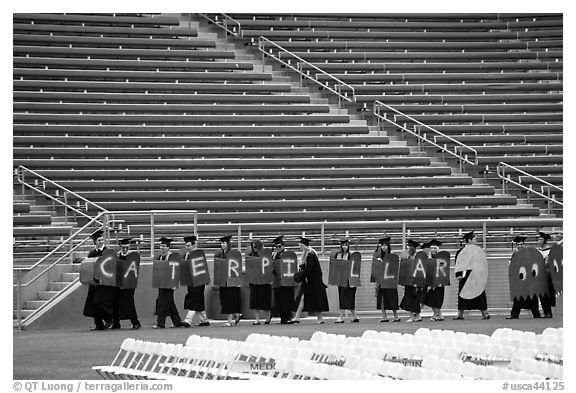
(534, 270)
(556, 268)
(522, 273)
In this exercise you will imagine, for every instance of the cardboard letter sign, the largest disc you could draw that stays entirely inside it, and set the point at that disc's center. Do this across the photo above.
(288, 265)
(166, 273)
(338, 272)
(259, 269)
(355, 269)
(105, 268)
(194, 271)
(390, 271)
(220, 271)
(234, 269)
(556, 267)
(441, 269)
(129, 269)
(87, 271)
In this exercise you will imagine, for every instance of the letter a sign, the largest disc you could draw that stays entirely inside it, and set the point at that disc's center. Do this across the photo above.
(130, 267)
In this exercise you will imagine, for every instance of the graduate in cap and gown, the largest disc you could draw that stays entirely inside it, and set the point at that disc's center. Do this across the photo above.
(518, 304)
(230, 300)
(435, 295)
(194, 300)
(124, 307)
(98, 304)
(165, 306)
(312, 296)
(465, 274)
(548, 300)
(283, 295)
(260, 295)
(413, 294)
(347, 294)
(386, 298)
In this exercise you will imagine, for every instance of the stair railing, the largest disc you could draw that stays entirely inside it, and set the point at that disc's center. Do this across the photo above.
(24, 175)
(464, 153)
(504, 172)
(264, 42)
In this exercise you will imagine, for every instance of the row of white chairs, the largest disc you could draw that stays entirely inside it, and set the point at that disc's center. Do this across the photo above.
(426, 354)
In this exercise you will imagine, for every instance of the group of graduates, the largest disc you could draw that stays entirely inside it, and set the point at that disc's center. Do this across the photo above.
(108, 305)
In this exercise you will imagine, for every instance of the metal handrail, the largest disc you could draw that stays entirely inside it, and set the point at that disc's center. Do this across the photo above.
(501, 173)
(21, 176)
(299, 70)
(225, 25)
(461, 157)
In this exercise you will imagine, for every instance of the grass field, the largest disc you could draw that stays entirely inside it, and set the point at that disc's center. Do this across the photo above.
(70, 354)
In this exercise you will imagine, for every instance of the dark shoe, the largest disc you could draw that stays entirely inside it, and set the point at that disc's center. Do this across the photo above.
(255, 323)
(355, 320)
(267, 322)
(184, 324)
(137, 326)
(384, 320)
(486, 317)
(321, 322)
(98, 328)
(238, 318)
(115, 327)
(339, 321)
(293, 321)
(107, 324)
(205, 323)
(397, 320)
(548, 315)
(536, 316)
(158, 327)
(511, 317)
(458, 318)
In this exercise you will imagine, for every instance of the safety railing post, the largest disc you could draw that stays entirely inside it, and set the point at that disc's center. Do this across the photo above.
(196, 223)
(239, 237)
(404, 235)
(484, 234)
(225, 33)
(65, 208)
(261, 46)
(18, 301)
(151, 234)
(549, 201)
(322, 229)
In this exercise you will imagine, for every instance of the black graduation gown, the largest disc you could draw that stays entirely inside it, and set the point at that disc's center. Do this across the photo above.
(386, 296)
(229, 296)
(100, 299)
(260, 295)
(124, 304)
(312, 286)
(194, 298)
(434, 297)
(412, 298)
(347, 294)
(165, 305)
(283, 296)
(478, 303)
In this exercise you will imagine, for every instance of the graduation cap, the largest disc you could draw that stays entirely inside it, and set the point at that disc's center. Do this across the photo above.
(412, 243)
(166, 241)
(519, 239)
(225, 239)
(544, 236)
(425, 245)
(279, 240)
(344, 241)
(385, 240)
(125, 241)
(305, 241)
(190, 239)
(97, 234)
(435, 242)
(468, 236)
